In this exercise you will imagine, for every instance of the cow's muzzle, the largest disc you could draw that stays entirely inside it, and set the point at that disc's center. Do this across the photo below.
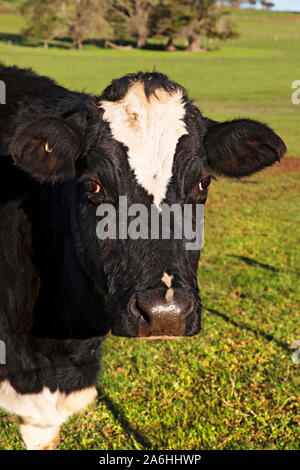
(162, 314)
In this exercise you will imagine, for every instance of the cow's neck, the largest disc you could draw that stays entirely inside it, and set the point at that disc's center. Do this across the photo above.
(68, 305)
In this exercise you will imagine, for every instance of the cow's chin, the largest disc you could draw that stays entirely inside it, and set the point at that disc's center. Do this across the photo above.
(169, 337)
(149, 336)
(144, 333)
(159, 337)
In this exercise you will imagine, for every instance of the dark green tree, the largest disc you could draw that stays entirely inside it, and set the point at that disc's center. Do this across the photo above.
(208, 20)
(191, 19)
(266, 4)
(85, 20)
(79, 19)
(43, 20)
(230, 3)
(131, 18)
(168, 19)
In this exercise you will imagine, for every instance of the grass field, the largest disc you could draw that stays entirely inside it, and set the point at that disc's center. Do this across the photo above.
(234, 386)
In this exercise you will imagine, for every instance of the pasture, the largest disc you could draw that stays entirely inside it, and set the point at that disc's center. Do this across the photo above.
(234, 386)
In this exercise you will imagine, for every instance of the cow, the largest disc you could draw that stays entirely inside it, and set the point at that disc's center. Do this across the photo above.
(64, 155)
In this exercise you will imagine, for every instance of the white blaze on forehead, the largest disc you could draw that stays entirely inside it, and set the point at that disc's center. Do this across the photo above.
(150, 129)
(167, 280)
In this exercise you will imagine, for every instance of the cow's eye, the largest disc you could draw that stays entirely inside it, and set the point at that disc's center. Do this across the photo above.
(203, 185)
(92, 186)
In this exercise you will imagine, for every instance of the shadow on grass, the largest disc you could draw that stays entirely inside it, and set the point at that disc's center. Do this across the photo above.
(16, 39)
(19, 40)
(244, 326)
(243, 181)
(120, 416)
(66, 43)
(253, 262)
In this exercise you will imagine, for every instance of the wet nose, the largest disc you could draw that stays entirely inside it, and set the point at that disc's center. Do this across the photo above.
(160, 314)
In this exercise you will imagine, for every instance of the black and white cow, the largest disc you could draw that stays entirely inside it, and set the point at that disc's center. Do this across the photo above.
(62, 289)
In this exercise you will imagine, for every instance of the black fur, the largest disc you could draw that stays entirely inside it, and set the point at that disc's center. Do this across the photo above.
(151, 81)
(62, 289)
(234, 148)
(47, 146)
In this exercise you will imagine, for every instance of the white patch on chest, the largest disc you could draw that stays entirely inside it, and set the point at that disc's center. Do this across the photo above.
(42, 413)
(150, 129)
(44, 409)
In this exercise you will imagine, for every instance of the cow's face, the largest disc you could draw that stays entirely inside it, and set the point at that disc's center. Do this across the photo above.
(143, 142)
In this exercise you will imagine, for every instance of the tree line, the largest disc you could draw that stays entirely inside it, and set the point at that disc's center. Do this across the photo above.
(136, 19)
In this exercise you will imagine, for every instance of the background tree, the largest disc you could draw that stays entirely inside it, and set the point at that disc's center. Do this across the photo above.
(131, 17)
(85, 20)
(236, 3)
(89, 19)
(79, 19)
(190, 19)
(43, 21)
(206, 19)
(168, 19)
(266, 4)
(230, 3)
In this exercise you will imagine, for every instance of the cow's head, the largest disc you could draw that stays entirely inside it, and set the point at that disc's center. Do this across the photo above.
(143, 139)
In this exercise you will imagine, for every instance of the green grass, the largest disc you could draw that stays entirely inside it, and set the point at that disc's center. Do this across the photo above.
(234, 386)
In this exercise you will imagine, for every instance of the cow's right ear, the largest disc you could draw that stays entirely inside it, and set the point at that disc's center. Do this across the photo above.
(241, 147)
(47, 148)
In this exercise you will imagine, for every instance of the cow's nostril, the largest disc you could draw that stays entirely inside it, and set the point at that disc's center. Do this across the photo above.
(136, 311)
(157, 315)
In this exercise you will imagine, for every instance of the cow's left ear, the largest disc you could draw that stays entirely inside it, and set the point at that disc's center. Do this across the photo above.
(241, 147)
(47, 148)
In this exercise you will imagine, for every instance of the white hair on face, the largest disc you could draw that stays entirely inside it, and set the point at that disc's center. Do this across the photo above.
(150, 128)
(167, 280)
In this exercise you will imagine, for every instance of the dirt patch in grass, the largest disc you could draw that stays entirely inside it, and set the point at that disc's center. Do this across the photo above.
(284, 19)
(287, 165)
(6, 11)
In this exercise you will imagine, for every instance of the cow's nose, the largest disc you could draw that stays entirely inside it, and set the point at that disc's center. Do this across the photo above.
(160, 313)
